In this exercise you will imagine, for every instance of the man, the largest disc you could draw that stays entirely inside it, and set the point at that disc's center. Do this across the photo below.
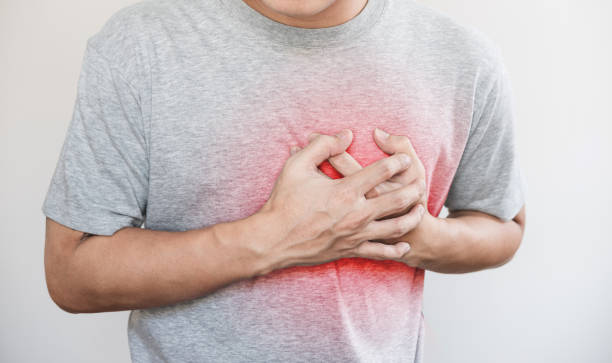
(207, 120)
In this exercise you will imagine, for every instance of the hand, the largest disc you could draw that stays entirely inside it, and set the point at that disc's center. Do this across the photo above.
(318, 219)
(346, 165)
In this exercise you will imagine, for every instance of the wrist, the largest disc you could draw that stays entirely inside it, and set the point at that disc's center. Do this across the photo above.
(251, 240)
(425, 242)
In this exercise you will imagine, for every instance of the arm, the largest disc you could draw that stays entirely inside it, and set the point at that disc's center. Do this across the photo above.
(309, 219)
(141, 268)
(465, 241)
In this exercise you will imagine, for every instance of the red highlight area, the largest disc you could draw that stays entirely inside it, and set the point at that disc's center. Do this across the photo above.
(379, 301)
(329, 170)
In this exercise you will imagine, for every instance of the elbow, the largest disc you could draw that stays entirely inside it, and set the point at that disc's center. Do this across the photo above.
(60, 296)
(68, 296)
(66, 307)
(513, 245)
(70, 283)
(519, 222)
(509, 256)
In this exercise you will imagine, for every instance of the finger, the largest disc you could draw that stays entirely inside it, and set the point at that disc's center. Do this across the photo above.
(294, 149)
(323, 147)
(392, 144)
(312, 136)
(377, 172)
(393, 228)
(345, 164)
(388, 186)
(396, 201)
(381, 251)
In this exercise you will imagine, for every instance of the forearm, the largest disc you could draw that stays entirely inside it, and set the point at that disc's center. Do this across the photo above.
(139, 268)
(465, 242)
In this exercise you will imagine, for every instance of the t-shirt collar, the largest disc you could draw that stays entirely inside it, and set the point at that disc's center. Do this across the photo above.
(248, 19)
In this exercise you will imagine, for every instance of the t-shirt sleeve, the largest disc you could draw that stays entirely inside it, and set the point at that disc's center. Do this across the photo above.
(100, 182)
(489, 177)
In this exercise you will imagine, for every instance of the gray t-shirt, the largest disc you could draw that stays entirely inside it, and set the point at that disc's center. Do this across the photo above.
(183, 118)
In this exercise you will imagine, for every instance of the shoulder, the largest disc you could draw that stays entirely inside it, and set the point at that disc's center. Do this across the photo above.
(461, 49)
(448, 36)
(448, 45)
(125, 40)
(141, 20)
(125, 27)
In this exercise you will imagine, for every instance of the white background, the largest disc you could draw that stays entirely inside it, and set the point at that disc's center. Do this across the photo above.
(552, 303)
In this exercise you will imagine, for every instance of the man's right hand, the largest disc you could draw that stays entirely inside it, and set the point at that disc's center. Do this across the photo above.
(317, 219)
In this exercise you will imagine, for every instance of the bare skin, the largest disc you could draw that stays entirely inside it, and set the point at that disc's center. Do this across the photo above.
(465, 241)
(308, 219)
(308, 14)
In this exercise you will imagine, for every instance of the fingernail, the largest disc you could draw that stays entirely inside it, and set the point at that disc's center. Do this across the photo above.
(381, 134)
(421, 209)
(343, 134)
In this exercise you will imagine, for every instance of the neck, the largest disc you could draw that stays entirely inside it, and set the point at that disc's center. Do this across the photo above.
(340, 11)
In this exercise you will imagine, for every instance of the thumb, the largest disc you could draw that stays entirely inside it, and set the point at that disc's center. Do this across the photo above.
(392, 144)
(322, 147)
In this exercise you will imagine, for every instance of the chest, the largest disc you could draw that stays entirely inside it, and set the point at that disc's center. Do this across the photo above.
(221, 128)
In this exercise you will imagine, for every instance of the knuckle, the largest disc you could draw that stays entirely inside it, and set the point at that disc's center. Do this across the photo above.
(407, 224)
(328, 138)
(411, 222)
(404, 226)
(321, 139)
(363, 217)
(398, 141)
(402, 199)
(404, 142)
(415, 189)
(421, 189)
(422, 186)
(405, 197)
(399, 230)
(390, 253)
(388, 167)
(356, 239)
(313, 135)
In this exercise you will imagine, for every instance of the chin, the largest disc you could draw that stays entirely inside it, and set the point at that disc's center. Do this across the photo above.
(298, 8)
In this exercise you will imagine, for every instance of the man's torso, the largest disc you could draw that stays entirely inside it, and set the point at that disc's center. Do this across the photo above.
(221, 106)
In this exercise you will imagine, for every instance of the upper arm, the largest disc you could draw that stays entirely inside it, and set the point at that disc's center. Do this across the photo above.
(489, 178)
(520, 218)
(59, 237)
(60, 243)
(100, 182)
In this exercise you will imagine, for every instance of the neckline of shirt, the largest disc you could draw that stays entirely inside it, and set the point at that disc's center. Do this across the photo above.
(250, 20)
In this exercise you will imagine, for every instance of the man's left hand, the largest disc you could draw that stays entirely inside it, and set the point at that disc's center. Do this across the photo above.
(345, 164)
